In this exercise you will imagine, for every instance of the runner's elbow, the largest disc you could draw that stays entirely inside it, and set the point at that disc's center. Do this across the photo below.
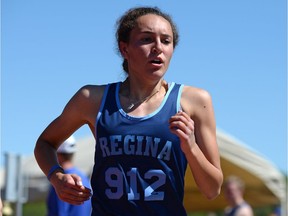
(212, 194)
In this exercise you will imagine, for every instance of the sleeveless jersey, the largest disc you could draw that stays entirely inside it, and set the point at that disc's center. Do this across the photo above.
(139, 166)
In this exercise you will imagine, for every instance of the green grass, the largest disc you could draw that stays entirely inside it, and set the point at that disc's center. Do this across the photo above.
(34, 209)
(39, 209)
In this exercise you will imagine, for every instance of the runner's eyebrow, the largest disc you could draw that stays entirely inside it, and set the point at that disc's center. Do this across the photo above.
(150, 32)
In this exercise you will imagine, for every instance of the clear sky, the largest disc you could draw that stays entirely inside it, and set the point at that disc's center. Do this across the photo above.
(234, 49)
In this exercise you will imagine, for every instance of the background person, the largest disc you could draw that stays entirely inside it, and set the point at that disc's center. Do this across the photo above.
(276, 211)
(57, 207)
(234, 189)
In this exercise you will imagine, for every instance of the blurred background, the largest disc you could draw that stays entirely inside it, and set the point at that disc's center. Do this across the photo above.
(234, 49)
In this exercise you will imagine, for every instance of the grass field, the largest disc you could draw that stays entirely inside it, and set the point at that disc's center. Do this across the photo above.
(34, 209)
(39, 209)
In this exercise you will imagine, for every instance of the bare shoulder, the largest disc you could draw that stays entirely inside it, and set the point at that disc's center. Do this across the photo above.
(195, 99)
(87, 96)
(94, 92)
(81, 109)
(85, 103)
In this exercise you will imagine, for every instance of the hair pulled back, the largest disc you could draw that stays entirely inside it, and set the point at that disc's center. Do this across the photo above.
(128, 21)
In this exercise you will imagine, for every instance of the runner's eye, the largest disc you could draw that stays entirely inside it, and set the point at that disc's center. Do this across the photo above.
(146, 39)
(166, 41)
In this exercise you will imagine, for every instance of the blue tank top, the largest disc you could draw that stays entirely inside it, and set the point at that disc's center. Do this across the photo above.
(139, 166)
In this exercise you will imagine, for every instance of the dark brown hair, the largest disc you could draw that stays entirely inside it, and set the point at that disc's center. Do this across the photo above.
(127, 23)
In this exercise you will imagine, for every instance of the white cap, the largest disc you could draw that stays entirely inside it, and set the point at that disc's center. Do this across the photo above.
(68, 146)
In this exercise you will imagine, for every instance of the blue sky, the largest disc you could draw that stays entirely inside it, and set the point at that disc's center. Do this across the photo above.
(234, 49)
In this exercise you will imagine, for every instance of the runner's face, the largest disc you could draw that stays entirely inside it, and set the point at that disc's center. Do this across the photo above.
(150, 47)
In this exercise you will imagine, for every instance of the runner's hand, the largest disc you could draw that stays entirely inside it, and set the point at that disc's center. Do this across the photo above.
(69, 188)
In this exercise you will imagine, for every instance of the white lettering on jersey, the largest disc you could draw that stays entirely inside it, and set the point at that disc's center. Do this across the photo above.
(135, 145)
